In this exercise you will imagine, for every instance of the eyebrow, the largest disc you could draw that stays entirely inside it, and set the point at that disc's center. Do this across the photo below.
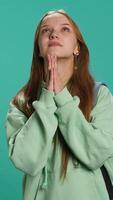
(48, 25)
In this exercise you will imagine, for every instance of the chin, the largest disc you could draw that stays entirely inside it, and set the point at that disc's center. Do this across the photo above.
(56, 52)
(53, 52)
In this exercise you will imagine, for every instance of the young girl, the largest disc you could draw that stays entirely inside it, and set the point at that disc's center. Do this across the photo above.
(57, 135)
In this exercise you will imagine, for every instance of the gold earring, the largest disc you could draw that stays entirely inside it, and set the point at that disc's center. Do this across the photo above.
(77, 53)
(75, 67)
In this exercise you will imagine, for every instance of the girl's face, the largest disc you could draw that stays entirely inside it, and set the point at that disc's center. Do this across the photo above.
(57, 37)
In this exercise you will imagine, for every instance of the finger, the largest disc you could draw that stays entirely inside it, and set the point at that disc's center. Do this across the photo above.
(55, 73)
(50, 86)
(49, 62)
(55, 61)
(48, 70)
(55, 68)
(52, 61)
(51, 74)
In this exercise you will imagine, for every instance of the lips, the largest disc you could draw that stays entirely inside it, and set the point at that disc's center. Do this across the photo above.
(54, 44)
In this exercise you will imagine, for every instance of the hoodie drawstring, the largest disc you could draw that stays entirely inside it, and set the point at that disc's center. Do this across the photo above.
(44, 184)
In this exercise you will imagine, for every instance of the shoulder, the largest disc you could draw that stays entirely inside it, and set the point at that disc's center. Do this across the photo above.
(104, 96)
(104, 93)
(103, 108)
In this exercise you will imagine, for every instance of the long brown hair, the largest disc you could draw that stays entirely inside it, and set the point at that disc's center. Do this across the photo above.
(81, 84)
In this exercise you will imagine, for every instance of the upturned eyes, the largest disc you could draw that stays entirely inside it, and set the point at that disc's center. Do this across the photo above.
(66, 29)
(49, 30)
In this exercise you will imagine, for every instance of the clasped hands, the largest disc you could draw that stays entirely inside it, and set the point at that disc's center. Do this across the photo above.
(54, 83)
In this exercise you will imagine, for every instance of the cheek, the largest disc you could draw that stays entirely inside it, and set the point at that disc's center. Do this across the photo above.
(71, 45)
(71, 41)
(75, 44)
(42, 44)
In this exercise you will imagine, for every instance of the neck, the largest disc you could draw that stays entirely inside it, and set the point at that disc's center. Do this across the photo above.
(65, 69)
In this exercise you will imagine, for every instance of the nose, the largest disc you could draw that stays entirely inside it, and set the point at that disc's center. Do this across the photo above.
(53, 35)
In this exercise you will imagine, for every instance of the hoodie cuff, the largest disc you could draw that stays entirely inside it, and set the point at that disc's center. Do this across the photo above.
(46, 99)
(63, 97)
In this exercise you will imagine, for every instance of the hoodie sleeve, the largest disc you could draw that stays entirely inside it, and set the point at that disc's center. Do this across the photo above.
(30, 140)
(90, 142)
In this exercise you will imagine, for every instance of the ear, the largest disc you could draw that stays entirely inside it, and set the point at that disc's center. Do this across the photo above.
(76, 51)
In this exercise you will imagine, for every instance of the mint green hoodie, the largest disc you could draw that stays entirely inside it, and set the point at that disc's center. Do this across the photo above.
(31, 148)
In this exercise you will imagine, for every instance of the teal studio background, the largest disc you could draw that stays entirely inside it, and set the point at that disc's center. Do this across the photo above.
(18, 21)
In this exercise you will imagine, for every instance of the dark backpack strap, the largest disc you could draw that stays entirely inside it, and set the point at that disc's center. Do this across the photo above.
(104, 171)
(107, 181)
